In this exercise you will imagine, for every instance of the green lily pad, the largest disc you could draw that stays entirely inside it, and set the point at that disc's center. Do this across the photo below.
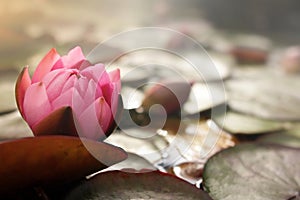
(253, 172)
(122, 185)
(237, 123)
(290, 138)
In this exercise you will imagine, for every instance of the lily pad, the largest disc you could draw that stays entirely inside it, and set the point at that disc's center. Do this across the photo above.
(7, 86)
(13, 126)
(122, 185)
(133, 162)
(257, 94)
(177, 142)
(290, 138)
(237, 123)
(204, 97)
(254, 172)
(48, 160)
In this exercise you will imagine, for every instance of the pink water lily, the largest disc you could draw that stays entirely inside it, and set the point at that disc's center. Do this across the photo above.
(68, 95)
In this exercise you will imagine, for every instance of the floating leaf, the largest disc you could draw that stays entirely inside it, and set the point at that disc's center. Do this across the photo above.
(204, 97)
(133, 162)
(13, 126)
(47, 160)
(177, 142)
(189, 171)
(258, 95)
(254, 172)
(7, 85)
(132, 97)
(237, 123)
(147, 147)
(122, 185)
(290, 138)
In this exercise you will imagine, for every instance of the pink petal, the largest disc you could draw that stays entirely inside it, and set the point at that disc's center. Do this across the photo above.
(94, 121)
(64, 100)
(84, 98)
(104, 79)
(81, 85)
(84, 65)
(104, 114)
(115, 77)
(36, 104)
(69, 83)
(106, 86)
(74, 59)
(93, 72)
(22, 84)
(54, 89)
(45, 65)
(114, 100)
(77, 103)
(48, 78)
(107, 91)
(90, 94)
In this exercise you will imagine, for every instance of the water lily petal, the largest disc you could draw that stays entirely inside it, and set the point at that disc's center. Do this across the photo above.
(77, 103)
(114, 99)
(91, 92)
(74, 59)
(115, 77)
(63, 100)
(69, 83)
(36, 103)
(106, 86)
(94, 72)
(89, 125)
(107, 91)
(104, 114)
(45, 65)
(54, 89)
(22, 84)
(104, 79)
(81, 86)
(116, 117)
(48, 78)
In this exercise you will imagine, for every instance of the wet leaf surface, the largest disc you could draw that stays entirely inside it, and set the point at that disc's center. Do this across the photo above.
(237, 123)
(189, 171)
(253, 171)
(177, 142)
(49, 160)
(13, 126)
(256, 94)
(132, 162)
(290, 138)
(122, 185)
(7, 87)
(204, 97)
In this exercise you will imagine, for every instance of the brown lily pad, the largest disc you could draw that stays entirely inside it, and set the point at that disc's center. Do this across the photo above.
(122, 185)
(48, 160)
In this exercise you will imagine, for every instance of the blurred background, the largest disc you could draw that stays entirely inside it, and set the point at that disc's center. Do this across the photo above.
(28, 29)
